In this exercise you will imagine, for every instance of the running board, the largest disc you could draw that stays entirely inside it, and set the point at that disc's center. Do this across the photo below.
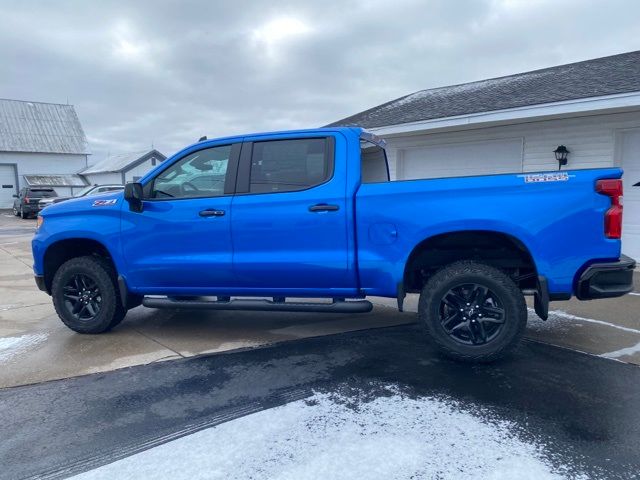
(357, 306)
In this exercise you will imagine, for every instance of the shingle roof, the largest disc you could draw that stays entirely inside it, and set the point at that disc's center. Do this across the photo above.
(40, 127)
(591, 78)
(120, 161)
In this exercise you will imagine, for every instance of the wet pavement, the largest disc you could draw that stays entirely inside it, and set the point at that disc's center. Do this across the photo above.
(580, 411)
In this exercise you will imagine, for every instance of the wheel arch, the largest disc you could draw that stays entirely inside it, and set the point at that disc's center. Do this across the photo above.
(493, 247)
(65, 249)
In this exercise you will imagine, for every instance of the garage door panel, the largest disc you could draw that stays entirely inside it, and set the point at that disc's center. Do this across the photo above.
(630, 159)
(8, 187)
(461, 159)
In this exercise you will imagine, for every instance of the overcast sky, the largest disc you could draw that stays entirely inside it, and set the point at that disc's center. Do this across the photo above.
(143, 72)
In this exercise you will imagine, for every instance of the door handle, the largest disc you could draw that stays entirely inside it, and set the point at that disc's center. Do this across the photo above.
(212, 213)
(323, 207)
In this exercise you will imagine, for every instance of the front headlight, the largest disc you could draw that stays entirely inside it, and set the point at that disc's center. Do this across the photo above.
(39, 222)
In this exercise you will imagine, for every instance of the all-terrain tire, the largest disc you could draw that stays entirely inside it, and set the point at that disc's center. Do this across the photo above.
(504, 288)
(99, 270)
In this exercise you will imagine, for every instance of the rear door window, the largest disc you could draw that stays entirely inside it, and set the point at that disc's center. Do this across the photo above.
(290, 165)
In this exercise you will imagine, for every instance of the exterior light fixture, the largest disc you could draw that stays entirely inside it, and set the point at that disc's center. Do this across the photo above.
(561, 153)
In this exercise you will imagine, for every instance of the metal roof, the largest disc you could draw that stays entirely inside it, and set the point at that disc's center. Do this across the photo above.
(55, 180)
(591, 78)
(40, 127)
(122, 161)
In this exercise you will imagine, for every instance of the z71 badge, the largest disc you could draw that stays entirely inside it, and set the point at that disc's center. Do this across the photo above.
(104, 203)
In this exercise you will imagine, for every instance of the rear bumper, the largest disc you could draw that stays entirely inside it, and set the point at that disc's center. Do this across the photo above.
(31, 208)
(606, 280)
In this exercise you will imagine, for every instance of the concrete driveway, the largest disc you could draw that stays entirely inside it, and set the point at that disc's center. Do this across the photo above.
(35, 346)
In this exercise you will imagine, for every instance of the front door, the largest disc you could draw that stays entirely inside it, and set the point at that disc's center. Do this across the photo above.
(630, 159)
(181, 241)
(289, 227)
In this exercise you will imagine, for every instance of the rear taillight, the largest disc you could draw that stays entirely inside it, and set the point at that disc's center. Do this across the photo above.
(612, 188)
(26, 199)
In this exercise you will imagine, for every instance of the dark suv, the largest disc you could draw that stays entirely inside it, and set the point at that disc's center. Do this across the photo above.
(26, 202)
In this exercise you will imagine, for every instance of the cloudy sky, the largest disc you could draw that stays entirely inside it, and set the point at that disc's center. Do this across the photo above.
(150, 71)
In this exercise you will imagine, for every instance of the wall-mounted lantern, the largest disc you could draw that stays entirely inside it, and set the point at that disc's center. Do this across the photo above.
(561, 155)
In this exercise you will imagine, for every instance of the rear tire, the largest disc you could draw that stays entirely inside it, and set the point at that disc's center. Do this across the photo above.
(85, 295)
(473, 312)
(22, 214)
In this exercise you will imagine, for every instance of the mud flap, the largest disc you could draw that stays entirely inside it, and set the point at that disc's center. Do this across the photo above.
(541, 298)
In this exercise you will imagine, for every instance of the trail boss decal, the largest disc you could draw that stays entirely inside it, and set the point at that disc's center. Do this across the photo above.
(546, 177)
(104, 203)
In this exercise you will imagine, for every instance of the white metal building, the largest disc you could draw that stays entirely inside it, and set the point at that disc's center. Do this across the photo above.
(44, 140)
(513, 124)
(122, 168)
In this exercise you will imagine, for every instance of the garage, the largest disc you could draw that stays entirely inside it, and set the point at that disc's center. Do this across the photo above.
(8, 186)
(514, 124)
(460, 159)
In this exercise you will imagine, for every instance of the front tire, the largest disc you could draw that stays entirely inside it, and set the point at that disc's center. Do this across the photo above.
(473, 312)
(85, 295)
(15, 211)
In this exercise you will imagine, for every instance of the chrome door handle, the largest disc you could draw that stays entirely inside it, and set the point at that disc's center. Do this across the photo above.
(212, 213)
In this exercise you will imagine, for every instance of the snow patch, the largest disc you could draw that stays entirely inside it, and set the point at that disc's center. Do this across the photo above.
(623, 352)
(331, 436)
(11, 347)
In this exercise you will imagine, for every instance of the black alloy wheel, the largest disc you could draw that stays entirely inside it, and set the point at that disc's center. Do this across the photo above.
(85, 294)
(472, 311)
(82, 297)
(471, 314)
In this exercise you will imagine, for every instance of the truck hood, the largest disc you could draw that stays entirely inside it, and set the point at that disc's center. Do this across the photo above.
(87, 204)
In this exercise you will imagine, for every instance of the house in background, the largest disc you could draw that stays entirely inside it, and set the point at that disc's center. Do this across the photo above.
(514, 124)
(122, 168)
(41, 144)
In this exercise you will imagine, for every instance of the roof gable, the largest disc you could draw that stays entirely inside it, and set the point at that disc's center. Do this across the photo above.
(122, 162)
(612, 75)
(40, 127)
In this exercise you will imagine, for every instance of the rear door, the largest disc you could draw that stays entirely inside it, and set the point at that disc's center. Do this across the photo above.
(289, 225)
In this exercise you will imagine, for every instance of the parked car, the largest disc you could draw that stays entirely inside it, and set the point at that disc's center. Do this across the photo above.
(312, 213)
(27, 202)
(88, 190)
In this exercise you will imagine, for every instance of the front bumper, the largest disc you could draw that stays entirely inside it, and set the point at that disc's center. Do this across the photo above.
(606, 280)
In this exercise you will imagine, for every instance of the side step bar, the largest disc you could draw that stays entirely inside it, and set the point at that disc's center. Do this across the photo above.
(356, 306)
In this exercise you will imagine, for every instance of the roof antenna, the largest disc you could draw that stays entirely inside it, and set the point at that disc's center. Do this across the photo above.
(202, 138)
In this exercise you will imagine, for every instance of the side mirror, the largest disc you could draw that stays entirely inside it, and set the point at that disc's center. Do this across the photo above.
(15, 196)
(133, 195)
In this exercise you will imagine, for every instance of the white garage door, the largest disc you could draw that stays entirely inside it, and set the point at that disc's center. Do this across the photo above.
(461, 159)
(8, 187)
(630, 158)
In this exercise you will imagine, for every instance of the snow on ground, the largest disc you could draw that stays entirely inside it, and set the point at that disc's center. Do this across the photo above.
(331, 436)
(11, 347)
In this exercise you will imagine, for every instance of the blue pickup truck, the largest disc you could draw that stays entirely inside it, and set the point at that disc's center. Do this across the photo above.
(312, 214)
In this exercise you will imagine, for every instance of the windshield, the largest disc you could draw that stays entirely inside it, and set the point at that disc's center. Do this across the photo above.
(41, 193)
